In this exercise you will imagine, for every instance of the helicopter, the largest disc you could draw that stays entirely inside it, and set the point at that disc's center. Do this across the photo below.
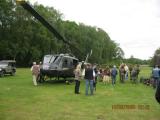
(53, 65)
(58, 65)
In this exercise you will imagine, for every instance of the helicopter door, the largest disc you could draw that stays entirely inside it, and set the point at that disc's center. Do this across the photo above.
(64, 65)
(67, 67)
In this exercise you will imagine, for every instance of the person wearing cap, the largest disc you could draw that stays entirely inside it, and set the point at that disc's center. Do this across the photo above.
(113, 75)
(35, 72)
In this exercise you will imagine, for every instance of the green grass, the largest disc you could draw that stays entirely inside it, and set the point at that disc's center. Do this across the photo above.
(20, 100)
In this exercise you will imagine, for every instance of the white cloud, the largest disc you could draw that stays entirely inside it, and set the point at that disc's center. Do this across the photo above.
(134, 24)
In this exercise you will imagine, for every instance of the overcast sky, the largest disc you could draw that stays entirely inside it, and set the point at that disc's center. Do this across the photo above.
(134, 24)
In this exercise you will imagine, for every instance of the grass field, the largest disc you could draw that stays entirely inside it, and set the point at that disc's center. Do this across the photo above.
(20, 100)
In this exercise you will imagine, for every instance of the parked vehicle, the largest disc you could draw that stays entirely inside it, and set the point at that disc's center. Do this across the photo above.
(7, 67)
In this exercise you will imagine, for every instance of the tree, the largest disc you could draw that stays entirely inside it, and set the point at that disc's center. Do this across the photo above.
(156, 58)
(25, 39)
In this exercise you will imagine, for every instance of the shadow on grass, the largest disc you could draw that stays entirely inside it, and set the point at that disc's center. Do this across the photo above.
(68, 81)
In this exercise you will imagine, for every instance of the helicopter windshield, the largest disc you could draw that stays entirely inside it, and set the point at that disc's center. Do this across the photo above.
(3, 64)
(57, 60)
(49, 59)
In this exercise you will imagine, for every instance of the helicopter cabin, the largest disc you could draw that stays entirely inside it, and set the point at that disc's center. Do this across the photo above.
(59, 65)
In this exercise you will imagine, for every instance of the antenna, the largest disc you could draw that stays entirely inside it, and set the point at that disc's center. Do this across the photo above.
(88, 55)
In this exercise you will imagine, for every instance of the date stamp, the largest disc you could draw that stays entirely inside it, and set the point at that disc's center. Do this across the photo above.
(130, 107)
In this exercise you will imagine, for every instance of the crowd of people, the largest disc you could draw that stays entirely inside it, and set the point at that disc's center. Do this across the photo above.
(91, 73)
(108, 75)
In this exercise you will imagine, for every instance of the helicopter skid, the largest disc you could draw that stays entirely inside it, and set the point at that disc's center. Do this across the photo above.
(56, 73)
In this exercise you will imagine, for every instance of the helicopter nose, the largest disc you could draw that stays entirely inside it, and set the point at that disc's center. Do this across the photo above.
(46, 66)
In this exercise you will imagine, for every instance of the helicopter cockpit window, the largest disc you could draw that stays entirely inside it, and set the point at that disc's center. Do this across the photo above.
(57, 60)
(69, 62)
(48, 59)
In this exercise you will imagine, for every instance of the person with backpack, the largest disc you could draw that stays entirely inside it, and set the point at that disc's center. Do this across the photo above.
(113, 75)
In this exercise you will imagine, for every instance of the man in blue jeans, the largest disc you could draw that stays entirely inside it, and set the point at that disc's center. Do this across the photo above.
(155, 74)
(89, 77)
(113, 75)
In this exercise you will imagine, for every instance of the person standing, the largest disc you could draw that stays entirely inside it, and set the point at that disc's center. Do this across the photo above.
(122, 73)
(35, 72)
(134, 75)
(130, 70)
(78, 75)
(113, 75)
(107, 74)
(89, 77)
(40, 78)
(155, 74)
(137, 70)
(126, 71)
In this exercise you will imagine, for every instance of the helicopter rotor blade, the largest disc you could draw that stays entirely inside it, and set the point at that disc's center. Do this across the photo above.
(42, 20)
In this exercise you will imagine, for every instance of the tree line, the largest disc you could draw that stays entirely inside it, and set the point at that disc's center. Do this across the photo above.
(25, 39)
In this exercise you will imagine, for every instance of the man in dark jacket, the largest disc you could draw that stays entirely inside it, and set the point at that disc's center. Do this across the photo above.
(89, 77)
